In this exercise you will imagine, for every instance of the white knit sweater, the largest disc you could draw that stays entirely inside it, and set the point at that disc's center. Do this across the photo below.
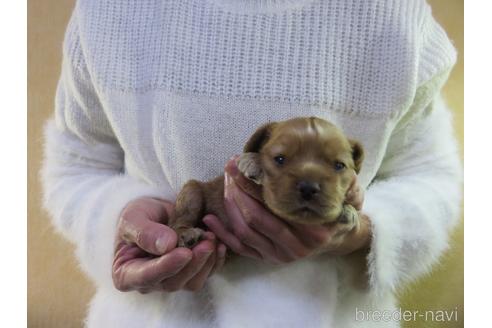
(154, 93)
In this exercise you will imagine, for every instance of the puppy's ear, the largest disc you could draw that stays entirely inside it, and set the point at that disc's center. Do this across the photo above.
(357, 154)
(258, 139)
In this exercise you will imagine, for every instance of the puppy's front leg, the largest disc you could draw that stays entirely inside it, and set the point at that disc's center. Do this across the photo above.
(348, 219)
(190, 205)
(249, 165)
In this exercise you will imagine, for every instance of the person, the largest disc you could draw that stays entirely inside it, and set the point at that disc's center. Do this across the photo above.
(155, 93)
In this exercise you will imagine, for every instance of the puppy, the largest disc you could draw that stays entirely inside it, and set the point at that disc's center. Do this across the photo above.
(304, 167)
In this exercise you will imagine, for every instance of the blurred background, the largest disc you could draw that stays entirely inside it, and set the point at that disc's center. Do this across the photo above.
(58, 293)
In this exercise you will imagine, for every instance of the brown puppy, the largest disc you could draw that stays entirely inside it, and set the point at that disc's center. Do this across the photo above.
(304, 166)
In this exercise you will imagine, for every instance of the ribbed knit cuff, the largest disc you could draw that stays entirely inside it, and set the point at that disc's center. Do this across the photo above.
(260, 6)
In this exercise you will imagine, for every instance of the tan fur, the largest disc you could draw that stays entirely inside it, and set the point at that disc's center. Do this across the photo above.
(311, 147)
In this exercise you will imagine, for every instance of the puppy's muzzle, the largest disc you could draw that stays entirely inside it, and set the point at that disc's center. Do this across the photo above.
(308, 189)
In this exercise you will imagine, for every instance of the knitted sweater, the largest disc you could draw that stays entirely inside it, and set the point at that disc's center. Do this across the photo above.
(154, 93)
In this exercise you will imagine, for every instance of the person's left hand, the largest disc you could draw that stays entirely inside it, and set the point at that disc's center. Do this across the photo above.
(255, 232)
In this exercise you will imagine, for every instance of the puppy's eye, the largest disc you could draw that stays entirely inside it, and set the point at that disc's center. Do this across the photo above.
(339, 166)
(280, 159)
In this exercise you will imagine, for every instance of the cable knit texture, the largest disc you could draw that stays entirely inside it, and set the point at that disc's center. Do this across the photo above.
(154, 93)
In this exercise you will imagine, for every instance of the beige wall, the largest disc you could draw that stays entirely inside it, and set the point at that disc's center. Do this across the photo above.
(58, 292)
(443, 289)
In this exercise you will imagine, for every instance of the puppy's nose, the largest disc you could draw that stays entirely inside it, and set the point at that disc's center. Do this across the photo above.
(308, 189)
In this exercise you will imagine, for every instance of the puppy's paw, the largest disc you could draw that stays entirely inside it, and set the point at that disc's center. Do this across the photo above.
(348, 219)
(249, 165)
(189, 237)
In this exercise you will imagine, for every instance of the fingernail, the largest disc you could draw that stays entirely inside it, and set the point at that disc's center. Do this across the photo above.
(209, 236)
(161, 244)
(231, 168)
(227, 179)
(234, 171)
(232, 160)
(208, 221)
(236, 159)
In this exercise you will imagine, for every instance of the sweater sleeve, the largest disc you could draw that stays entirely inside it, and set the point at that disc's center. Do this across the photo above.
(85, 187)
(415, 199)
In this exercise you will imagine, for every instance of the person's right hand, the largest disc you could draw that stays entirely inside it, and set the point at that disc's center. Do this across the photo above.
(146, 258)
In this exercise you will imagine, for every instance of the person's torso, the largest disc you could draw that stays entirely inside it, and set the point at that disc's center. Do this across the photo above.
(185, 83)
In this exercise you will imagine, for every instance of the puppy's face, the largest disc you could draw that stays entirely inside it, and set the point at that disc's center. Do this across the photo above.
(306, 167)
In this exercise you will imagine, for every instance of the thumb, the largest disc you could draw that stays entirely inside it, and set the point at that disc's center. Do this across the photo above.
(153, 237)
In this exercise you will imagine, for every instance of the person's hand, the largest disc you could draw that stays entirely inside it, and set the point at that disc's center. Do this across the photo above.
(255, 232)
(355, 195)
(146, 258)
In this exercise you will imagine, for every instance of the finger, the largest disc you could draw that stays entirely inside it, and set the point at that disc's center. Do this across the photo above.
(214, 224)
(248, 186)
(198, 280)
(352, 199)
(355, 194)
(354, 181)
(355, 198)
(220, 251)
(143, 272)
(352, 187)
(155, 238)
(243, 232)
(209, 235)
(270, 226)
(315, 236)
(201, 253)
(221, 258)
(360, 199)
